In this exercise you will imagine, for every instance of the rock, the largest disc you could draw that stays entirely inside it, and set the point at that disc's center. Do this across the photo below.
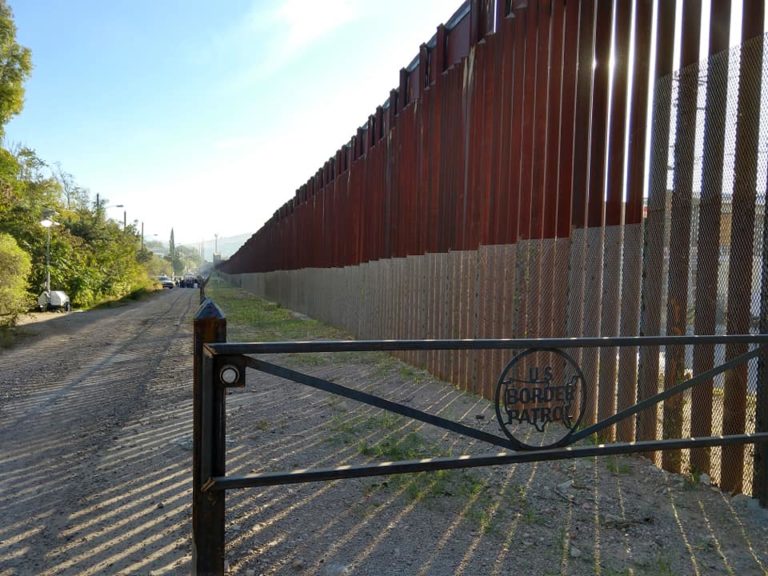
(613, 521)
(160, 505)
(297, 564)
(609, 519)
(565, 486)
(574, 552)
(740, 500)
(705, 480)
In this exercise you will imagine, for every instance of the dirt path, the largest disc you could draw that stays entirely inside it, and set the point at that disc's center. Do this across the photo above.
(90, 406)
(95, 457)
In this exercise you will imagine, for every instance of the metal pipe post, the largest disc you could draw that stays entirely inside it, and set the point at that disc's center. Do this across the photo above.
(208, 445)
(48, 261)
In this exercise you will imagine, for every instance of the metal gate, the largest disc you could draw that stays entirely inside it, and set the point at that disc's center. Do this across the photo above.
(539, 400)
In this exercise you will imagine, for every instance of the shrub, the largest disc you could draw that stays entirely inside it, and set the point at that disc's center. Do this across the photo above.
(15, 266)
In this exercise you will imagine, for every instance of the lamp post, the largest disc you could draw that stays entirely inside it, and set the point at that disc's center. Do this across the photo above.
(118, 206)
(47, 223)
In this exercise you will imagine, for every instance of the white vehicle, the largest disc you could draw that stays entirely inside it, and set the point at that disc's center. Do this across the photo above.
(53, 300)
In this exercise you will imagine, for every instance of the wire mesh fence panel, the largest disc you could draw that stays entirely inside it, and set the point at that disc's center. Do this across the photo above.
(704, 255)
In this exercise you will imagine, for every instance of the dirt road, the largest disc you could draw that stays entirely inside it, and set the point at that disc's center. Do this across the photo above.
(94, 434)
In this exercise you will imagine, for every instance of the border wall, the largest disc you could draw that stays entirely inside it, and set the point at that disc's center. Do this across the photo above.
(504, 190)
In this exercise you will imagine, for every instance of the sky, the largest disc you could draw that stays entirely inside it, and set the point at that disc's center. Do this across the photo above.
(201, 116)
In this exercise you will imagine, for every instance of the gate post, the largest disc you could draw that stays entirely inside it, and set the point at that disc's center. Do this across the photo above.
(760, 464)
(760, 472)
(208, 444)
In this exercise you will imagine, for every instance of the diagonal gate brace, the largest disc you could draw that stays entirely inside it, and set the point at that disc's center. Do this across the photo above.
(372, 400)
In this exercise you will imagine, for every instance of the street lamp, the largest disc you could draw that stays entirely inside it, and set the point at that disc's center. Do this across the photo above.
(50, 300)
(47, 223)
(119, 206)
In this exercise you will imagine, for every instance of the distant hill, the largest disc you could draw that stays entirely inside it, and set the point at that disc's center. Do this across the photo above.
(227, 246)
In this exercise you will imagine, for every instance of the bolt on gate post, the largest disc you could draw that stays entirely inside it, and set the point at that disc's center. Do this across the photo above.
(208, 455)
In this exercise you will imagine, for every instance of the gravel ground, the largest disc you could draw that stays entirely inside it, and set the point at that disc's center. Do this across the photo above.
(92, 405)
(95, 446)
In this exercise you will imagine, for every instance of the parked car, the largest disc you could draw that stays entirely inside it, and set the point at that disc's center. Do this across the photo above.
(165, 282)
(189, 281)
(53, 300)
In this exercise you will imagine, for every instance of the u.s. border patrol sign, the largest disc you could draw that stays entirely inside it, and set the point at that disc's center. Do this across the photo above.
(540, 398)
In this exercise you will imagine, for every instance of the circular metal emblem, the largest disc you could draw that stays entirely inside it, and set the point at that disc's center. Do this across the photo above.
(540, 398)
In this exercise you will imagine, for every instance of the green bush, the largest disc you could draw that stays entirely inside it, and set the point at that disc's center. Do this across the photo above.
(15, 266)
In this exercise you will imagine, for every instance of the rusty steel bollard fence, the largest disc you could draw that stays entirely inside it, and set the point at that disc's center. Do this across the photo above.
(208, 443)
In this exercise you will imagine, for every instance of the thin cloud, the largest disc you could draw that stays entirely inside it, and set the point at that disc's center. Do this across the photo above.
(279, 32)
(307, 22)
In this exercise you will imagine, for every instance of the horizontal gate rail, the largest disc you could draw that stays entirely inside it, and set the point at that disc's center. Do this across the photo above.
(234, 348)
(434, 464)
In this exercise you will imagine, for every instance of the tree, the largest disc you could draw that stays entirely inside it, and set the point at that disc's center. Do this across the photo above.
(9, 183)
(15, 266)
(15, 66)
(177, 265)
(189, 258)
(74, 196)
(155, 265)
(93, 260)
(30, 190)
